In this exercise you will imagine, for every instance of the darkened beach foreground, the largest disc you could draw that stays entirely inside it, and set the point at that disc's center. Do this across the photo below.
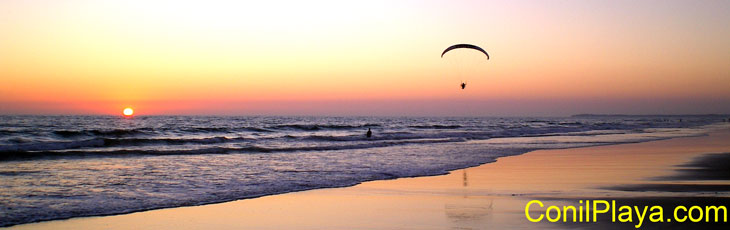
(681, 171)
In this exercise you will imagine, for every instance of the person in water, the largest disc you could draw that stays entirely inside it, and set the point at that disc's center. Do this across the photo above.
(369, 133)
(463, 85)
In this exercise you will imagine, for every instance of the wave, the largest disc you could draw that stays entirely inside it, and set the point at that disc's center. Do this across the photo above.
(19, 155)
(123, 142)
(435, 126)
(9, 132)
(107, 132)
(212, 143)
(393, 135)
(111, 142)
(98, 142)
(225, 129)
(169, 141)
(152, 131)
(315, 127)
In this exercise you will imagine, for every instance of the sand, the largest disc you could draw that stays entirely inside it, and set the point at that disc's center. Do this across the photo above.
(490, 196)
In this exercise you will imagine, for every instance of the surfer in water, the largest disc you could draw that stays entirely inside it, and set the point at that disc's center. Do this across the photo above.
(369, 133)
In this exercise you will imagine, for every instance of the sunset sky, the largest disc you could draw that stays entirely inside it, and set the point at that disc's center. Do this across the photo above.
(548, 58)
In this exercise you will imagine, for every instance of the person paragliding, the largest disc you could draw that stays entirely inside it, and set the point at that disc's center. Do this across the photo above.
(464, 46)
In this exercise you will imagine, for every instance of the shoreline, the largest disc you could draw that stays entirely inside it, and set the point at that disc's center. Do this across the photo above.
(369, 188)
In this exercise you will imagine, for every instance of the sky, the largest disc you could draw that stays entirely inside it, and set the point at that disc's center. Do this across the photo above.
(547, 58)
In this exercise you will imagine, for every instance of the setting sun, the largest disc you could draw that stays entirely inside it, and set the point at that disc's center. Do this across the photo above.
(128, 112)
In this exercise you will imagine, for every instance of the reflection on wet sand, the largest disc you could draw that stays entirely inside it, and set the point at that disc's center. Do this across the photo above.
(469, 208)
(466, 182)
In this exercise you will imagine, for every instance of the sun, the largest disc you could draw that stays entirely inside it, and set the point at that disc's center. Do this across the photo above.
(128, 112)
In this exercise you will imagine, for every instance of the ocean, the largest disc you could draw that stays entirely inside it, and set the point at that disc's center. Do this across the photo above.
(57, 167)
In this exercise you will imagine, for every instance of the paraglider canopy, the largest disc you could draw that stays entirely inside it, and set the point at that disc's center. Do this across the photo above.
(465, 46)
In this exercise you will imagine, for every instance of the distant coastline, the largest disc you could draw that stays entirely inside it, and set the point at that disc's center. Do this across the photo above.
(589, 115)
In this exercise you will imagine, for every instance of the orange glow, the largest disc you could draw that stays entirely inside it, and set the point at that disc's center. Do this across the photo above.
(128, 112)
(112, 53)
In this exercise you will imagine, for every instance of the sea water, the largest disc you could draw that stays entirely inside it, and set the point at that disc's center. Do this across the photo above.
(55, 167)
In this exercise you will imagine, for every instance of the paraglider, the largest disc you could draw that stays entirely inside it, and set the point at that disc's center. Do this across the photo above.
(464, 46)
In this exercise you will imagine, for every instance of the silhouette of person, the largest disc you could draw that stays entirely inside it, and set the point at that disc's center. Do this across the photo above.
(463, 85)
(369, 133)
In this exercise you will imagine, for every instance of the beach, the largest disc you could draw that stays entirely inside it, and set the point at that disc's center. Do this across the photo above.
(489, 196)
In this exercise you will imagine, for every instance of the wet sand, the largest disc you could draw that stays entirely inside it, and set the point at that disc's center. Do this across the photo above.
(490, 196)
